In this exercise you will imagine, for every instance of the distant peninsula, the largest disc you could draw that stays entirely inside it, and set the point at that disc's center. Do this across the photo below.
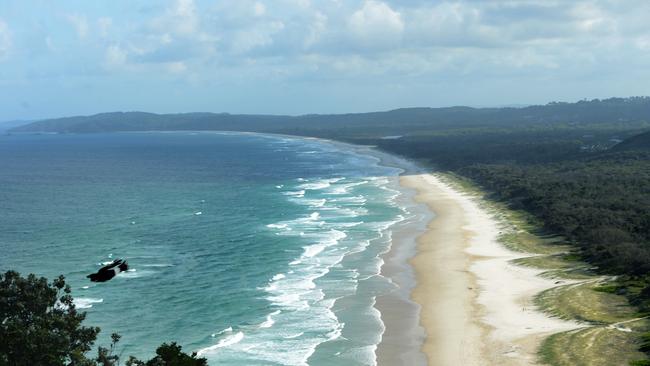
(398, 122)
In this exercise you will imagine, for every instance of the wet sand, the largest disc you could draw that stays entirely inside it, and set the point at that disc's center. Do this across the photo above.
(468, 304)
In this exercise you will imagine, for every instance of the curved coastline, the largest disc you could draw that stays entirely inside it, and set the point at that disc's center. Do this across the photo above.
(476, 306)
(450, 305)
(459, 300)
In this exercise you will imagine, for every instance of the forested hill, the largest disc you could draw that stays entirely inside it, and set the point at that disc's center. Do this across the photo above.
(7, 125)
(619, 111)
(638, 142)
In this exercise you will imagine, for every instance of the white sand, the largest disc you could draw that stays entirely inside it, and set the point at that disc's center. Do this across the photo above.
(504, 327)
(475, 307)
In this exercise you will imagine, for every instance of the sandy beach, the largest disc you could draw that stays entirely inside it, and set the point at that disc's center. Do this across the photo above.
(471, 305)
(458, 299)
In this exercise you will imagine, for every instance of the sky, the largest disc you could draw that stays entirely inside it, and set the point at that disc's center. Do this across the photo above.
(78, 57)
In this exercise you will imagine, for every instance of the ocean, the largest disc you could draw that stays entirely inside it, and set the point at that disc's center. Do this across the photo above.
(249, 249)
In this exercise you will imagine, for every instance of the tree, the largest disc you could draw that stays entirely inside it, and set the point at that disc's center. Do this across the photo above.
(40, 324)
(170, 355)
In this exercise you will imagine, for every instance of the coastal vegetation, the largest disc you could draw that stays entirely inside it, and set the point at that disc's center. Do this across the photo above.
(611, 330)
(41, 327)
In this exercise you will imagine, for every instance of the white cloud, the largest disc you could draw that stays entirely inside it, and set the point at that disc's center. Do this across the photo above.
(322, 46)
(376, 24)
(176, 67)
(49, 43)
(258, 36)
(324, 38)
(643, 43)
(317, 28)
(181, 18)
(259, 9)
(79, 23)
(451, 25)
(184, 17)
(104, 24)
(115, 56)
(5, 40)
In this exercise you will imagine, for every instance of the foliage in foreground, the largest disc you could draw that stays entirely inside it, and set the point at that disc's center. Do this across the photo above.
(40, 326)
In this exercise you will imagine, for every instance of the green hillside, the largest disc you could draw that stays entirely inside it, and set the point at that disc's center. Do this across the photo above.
(638, 142)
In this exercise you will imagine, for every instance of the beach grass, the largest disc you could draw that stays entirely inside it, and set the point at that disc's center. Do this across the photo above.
(553, 261)
(593, 346)
(613, 329)
(583, 303)
(560, 267)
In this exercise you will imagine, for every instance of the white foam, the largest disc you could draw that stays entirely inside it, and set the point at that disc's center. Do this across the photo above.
(351, 200)
(315, 203)
(227, 330)
(268, 323)
(314, 186)
(300, 193)
(289, 301)
(343, 188)
(349, 224)
(86, 302)
(157, 265)
(313, 250)
(319, 184)
(305, 294)
(277, 226)
(134, 273)
(225, 342)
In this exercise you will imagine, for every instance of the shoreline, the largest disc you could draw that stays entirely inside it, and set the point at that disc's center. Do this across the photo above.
(467, 304)
(472, 281)
(451, 306)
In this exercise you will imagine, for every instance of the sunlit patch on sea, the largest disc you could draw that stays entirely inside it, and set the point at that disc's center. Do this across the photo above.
(250, 249)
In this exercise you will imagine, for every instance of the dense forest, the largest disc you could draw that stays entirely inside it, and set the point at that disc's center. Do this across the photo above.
(583, 169)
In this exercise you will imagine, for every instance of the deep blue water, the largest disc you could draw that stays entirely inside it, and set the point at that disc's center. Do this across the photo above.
(251, 249)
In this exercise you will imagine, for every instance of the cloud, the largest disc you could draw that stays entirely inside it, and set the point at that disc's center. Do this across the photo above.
(321, 44)
(259, 9)
(376, 24)
(181, 19)
(317, 28)
(79, 23)
(259, 36)
(104, 24)
(303, 35)
(451, 25)
(115, 56)
(5, 41)
(176, 67)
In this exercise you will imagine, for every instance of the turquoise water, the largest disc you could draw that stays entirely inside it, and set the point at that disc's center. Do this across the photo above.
(250, 249)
